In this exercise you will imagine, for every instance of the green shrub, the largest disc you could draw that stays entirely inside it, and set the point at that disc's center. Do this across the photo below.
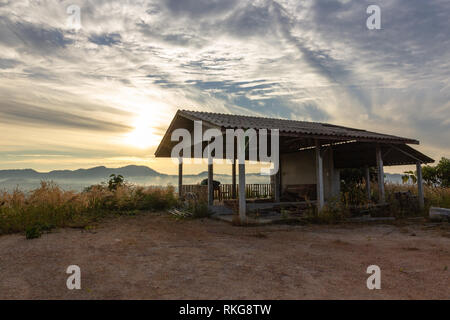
(33, 232)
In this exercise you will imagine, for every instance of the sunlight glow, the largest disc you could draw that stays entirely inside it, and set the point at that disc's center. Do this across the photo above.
(142, 136)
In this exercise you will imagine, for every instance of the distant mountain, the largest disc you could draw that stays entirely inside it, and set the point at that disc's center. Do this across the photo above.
(18, 174)
(104, 172)
(92, 173)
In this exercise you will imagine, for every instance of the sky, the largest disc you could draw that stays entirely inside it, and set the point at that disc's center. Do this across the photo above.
(103, 91)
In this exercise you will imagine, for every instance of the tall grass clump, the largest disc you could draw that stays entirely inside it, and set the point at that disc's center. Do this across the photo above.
(435, 196)
(49, 206)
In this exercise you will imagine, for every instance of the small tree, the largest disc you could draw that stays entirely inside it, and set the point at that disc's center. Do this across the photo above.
(443, 172)
(115, 181)
(438, 175)
(429, 174)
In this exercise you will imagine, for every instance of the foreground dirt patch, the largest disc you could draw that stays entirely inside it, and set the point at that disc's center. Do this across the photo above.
(155, 257)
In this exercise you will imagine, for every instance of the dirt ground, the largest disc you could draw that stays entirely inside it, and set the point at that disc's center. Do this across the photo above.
(156, 257)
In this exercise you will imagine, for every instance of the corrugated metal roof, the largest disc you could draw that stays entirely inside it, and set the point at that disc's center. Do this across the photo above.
(289, 126)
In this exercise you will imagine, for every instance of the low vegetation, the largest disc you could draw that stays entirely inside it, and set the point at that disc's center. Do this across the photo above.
(49, 206)
(401, 202)
(401, 199)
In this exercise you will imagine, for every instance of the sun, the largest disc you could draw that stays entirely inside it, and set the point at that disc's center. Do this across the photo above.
(143, 136)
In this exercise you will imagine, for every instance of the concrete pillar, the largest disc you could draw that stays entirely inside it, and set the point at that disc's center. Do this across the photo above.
(210, 183)
(277, 185)
(242, 191)
(420, 185)
(319, 174)
(382, 197)
(368, 191)
(233, 180)
(328, 187)
(275, 181)
(242, 197)
(180, 177)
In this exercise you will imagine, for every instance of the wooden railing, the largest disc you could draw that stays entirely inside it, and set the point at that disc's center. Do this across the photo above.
(258, 190)
(225, 191)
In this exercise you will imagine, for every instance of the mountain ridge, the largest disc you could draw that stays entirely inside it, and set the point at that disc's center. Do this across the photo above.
(94, 172)
(105, 172)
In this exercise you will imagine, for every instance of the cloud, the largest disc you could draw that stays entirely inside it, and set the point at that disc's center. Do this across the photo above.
(142, 60)
(8, 63)
(250, 20)
(199, 8)
(105, 39)
(35, 38)
(35, 115)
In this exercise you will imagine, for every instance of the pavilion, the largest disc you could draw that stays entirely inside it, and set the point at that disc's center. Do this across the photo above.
(310, 154)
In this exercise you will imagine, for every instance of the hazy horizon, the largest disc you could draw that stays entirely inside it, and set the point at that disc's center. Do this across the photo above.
(78, 184)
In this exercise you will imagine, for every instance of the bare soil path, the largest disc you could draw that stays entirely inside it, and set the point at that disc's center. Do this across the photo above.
(153, 256)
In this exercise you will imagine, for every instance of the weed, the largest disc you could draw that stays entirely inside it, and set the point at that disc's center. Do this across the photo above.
(33, 232)
(200, 210)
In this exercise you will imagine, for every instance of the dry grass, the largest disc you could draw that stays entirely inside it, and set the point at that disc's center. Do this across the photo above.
(49, 206)
(338, 209)
(434, 196)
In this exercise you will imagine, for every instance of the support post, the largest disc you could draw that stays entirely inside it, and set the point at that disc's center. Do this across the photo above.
(242, 200)
(319, 173)
(275, 181)
(382, 197)
(180, 177)
(368, 191)
(210, 182)
(276, 186)
(330, 170)
(233, 180)
(420, 185)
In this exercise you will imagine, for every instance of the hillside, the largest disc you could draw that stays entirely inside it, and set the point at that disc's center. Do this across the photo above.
(27, 179)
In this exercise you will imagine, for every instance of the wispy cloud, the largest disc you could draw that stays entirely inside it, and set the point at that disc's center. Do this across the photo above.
(134, 63)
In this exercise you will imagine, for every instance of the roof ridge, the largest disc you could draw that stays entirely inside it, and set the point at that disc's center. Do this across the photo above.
(269, 118)
(259, 117)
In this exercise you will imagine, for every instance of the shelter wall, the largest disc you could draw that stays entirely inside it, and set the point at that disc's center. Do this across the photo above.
(300, 168)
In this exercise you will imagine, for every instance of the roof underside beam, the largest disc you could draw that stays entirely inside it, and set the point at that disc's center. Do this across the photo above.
(357, 155)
